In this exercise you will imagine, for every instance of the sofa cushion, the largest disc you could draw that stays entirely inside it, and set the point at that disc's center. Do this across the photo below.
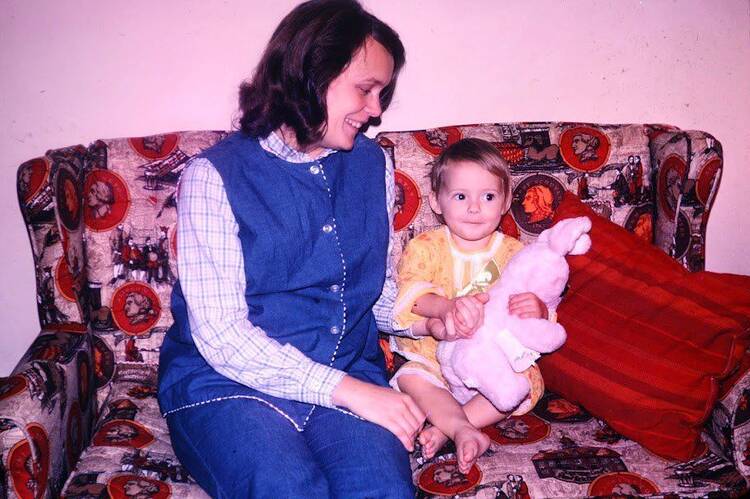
(130, 454)
(648, 342)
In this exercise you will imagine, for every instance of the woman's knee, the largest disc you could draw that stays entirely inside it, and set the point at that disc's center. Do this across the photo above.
(238, 448)
(361, 459)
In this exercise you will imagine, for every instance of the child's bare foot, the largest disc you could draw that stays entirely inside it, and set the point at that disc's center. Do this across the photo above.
(432, 440)
(470, 444)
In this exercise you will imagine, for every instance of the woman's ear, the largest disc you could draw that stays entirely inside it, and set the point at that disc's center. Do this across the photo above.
(434, 203)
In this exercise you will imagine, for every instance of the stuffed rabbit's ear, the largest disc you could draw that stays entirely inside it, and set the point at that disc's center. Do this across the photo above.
(582, 245)
(570, 236)
(583, 241)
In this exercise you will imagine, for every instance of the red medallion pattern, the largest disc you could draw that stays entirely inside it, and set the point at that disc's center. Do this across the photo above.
(123, 433)
(408, 200)
(155, 146)
(107, 200)
(706, 177)
(584, 148)
(669, 185)
(444, 479)
(518, 430)
(135, 308)
(127, 486)
(622, 484)
(32, 176)
(435, 140)
(29, 469)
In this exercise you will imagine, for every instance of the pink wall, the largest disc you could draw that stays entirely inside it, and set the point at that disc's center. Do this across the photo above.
(79, 70)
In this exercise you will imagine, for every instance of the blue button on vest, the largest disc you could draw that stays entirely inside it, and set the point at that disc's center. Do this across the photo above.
(307, 233)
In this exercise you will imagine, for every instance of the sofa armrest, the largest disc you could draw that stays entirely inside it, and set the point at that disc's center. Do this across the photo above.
(46, 414)
(729, 424)
(687, 167)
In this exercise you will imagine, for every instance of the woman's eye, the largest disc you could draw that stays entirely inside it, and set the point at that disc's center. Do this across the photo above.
(364, 91)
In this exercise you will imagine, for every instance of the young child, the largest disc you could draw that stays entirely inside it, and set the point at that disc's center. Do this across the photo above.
(443, 274)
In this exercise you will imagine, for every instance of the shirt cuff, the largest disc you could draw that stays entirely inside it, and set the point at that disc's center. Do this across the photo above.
(322, 380)
(404, 332)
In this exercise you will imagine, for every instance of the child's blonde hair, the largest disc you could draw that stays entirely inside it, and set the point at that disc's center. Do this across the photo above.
(476, 151)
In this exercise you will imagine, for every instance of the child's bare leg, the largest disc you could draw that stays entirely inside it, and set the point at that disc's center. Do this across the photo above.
(480, 412)
(447, 416)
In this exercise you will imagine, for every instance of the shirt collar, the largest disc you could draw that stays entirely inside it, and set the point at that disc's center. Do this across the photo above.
(274, 145)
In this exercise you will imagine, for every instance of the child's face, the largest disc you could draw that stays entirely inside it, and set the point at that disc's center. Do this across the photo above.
(471, 203)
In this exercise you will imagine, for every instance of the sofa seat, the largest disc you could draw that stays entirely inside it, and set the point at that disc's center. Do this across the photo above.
(559, 450)
(130, 448)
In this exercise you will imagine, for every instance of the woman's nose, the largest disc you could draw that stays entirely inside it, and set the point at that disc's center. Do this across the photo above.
(374, 108)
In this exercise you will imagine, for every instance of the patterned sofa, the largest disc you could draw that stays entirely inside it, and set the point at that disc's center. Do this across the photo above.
(79, 417)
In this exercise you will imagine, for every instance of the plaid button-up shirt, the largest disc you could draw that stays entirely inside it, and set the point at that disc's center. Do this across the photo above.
(212, 277)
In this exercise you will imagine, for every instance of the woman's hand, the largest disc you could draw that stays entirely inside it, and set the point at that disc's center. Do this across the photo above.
(395, 411)
(527, 306)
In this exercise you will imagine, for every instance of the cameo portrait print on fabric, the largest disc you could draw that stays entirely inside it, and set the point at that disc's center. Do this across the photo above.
(107, 200)
(434, 140)
(407, 200)
(584, 148)
(535, 200)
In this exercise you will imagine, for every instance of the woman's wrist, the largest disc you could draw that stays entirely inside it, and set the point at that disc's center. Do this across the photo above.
(432, 306)
(342, 393)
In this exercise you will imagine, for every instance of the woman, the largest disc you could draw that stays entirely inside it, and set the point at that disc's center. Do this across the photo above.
(271, 378)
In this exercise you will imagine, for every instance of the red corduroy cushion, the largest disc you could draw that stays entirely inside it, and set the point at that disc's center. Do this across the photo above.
(648, 342)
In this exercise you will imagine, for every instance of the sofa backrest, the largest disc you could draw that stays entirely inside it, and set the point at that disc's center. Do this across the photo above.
(101, 219)
(655, 180)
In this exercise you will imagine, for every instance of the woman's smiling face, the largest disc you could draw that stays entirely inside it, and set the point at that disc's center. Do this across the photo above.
(353, 97)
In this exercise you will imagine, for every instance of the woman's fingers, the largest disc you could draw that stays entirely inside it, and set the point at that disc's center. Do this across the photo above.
(395, 411)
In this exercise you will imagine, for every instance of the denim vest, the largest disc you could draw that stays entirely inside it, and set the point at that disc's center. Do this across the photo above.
(314, 239)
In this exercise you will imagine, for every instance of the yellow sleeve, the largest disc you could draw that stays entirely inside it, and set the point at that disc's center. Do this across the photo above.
(416, 277)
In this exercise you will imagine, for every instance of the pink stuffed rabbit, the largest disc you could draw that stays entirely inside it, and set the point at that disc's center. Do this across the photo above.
(505, 345)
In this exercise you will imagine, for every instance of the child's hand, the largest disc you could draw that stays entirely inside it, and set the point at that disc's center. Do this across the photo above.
(436, 328)
(464, 317)
(527, 306)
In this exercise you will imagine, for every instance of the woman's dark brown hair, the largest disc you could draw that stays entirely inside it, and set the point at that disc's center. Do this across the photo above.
(311, 46)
